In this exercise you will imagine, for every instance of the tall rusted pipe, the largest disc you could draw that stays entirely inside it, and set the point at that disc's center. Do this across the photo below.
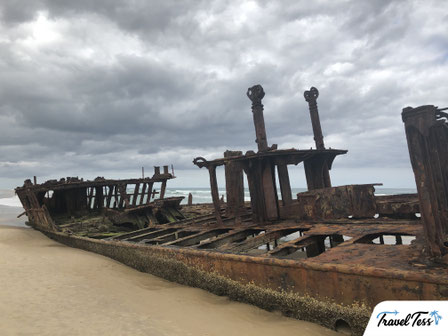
(256, 94)
(311, 98)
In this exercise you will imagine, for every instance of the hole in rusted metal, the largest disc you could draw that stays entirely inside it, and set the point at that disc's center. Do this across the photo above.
(310, 247)
(387, 239)
(276, 241)
(252, 235)
(291, 236)
(334, 240)
(343, 327)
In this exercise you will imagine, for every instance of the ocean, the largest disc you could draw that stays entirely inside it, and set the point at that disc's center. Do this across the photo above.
(201, 195)
(10, 206)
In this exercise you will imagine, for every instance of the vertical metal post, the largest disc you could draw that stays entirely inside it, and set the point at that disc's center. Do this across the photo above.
(256, 94)
(234, 185)
(215, 193)
(162, 190)
(265, 167)
(135, 195)
(142, 195)
(427, 136)
(285, 185)
(311, 97)
(254, 179)
(201, 162)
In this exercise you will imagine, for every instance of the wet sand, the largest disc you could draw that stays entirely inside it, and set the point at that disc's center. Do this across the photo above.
(9, 213)
(8, 216)
(50, 289)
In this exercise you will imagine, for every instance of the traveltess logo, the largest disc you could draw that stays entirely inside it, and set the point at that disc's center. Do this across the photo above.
(408, 318)
(416, 319)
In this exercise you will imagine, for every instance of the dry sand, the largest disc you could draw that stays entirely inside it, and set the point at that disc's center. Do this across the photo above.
(50, 289)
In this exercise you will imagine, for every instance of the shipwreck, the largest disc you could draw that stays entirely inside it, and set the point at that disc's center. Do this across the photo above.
(327, 255)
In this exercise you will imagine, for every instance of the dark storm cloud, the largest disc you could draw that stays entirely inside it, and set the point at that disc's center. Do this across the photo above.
(91, 87)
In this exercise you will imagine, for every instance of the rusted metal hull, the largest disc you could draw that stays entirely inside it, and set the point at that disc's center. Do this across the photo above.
(356, 270)
(335, 262)
(361, 273)
(99, 207)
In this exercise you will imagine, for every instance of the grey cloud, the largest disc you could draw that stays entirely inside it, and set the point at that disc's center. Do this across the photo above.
(126, 84)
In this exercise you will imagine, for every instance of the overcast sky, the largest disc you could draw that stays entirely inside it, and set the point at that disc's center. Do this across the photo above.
(105, 87)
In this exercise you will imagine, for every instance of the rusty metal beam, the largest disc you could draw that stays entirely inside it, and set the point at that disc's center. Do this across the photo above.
(234, 185)
(228, 238)
(150, 185)
(109, 196)
(427, 137)
(215, 193)
(254, 178)
(135, 195)
(270, 191)
(170, 237)
(198, 237)
(142, 195)
(163, 190)
(150, 235)
(285, 185)
(258, 240)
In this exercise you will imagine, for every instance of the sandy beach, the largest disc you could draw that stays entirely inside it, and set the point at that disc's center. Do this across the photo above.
(51, 289)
